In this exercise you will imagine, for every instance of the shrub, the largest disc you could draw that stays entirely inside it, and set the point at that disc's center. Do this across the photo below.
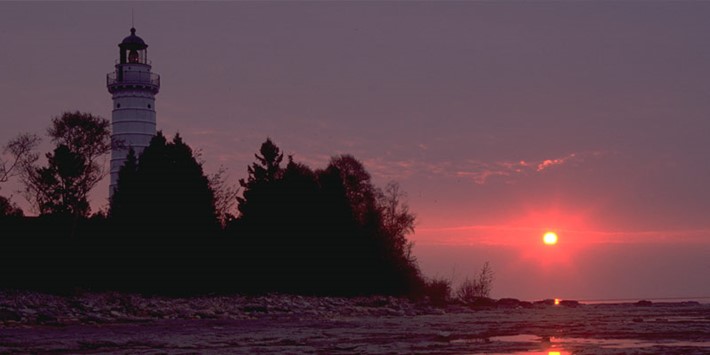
(472, 290)
(438, 290)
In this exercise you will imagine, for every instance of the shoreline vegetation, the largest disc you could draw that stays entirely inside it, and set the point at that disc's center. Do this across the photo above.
(172, 229)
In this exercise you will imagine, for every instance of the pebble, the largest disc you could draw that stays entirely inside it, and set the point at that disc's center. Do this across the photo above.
(27, 307)
(8, 315)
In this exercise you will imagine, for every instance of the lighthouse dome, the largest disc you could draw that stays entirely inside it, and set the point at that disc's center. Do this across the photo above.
(133, 41)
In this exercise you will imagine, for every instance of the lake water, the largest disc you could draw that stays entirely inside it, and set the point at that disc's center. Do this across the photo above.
(281, 324)
(557, 346)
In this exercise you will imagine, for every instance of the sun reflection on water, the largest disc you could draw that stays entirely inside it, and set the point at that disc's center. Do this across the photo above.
(555, 345)
(561, 352)
(549, 344)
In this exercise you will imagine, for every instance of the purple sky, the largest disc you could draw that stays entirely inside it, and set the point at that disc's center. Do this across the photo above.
(500, 120)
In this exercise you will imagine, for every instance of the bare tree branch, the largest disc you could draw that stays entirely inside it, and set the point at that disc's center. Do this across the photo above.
(225, 196)
(20, 149)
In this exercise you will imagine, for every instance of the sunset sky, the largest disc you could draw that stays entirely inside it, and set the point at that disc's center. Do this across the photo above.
(501, 120)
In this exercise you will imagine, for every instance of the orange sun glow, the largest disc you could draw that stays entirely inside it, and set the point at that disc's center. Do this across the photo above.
(550, 238)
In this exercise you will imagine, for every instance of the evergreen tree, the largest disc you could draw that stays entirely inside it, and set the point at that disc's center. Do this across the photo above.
(261, 184)
(166, 193)
(259, 227)
(164, 216)
(121, 203)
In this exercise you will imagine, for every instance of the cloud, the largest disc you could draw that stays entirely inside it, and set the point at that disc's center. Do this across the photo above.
(547, 163)
(393, 169)
(480, 172)
(480, 177)
(515, 235)
(390, 166)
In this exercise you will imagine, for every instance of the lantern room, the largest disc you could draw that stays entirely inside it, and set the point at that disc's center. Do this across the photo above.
(133, 50)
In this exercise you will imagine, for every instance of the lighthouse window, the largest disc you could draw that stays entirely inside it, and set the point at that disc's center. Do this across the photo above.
(118, 105)
(148, 105)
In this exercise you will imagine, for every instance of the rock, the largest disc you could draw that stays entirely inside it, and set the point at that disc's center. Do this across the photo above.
(482, 302)
(569, 303)
(444, 336)
(644, 303)
(206, 315)
(690, 303)
(436, 311)
(8, 315)
(28, 312)
(508, 303)
(547, 302)
(255, 309)
(346, 347)
(374, 302)
(394, 312)
(47, 318)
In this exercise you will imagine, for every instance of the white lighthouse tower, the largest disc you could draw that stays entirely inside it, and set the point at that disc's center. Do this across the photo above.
(133, 87)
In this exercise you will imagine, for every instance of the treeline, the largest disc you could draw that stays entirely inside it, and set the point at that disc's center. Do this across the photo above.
(169, 226)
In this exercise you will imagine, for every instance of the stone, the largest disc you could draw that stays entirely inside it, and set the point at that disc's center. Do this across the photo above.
(47, 318)
(8, 315)
(547, 302)
(569, 303)
(508, 303)
(254, 309)
(482, 302)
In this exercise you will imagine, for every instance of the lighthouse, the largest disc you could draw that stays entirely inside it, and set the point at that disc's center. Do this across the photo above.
(133, 87)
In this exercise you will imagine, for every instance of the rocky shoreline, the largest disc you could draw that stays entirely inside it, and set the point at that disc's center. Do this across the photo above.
(26, 308)
(120, 323)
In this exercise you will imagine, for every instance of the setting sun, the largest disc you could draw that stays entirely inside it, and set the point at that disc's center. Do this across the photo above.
(550, 238)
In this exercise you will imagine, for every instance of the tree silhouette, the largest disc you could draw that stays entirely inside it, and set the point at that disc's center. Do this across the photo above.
(359, 190)
(9, 209)
(225, 196)
(269, 168)
(397, 220)
(84, 134)
(375, 243)
(124, 202)
(163, 216)
(258, 227)
(59, 187)
(20, 149)
(261, 184)
(164, 193)
(82, 139)
(328, 231)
